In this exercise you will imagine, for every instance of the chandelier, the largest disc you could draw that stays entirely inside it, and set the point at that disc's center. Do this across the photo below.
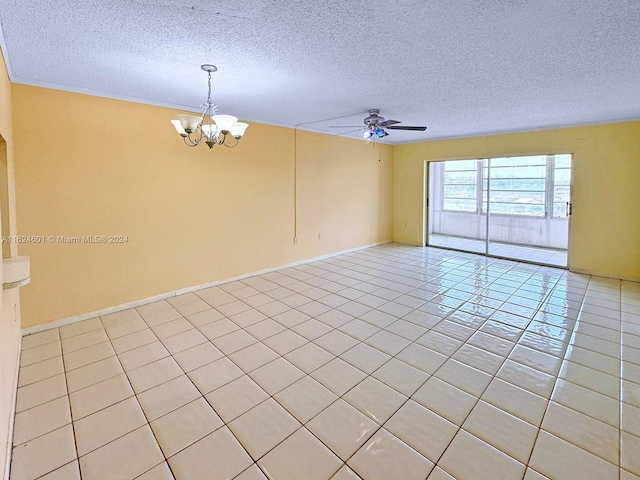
(211, 128)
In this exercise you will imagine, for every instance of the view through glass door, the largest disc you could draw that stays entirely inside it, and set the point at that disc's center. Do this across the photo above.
(512, 207)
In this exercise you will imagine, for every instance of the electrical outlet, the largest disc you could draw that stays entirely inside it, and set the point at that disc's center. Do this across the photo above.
(295, 239)
(319, 236)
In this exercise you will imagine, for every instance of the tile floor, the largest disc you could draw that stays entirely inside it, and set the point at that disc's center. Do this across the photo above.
(540, 255)
(393, 362)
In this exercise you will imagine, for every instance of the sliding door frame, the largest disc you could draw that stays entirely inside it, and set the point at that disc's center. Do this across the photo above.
(427, 198)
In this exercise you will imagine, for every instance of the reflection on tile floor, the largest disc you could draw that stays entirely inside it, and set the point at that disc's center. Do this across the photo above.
(546, 256)
(393, 362)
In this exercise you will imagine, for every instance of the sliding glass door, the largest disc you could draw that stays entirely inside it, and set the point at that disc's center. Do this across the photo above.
(511, 207)
(454, 218)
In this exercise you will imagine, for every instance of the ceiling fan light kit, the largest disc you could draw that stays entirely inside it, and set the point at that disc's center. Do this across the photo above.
(372, 131)
(210, 128)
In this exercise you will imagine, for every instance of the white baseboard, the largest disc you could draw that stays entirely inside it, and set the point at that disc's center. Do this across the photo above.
(163, 296)
(589, 272)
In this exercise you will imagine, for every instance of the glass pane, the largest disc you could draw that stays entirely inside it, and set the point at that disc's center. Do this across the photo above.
(560, 209)
(460, 165)
(517, 209)
(453, 221)
(460, 191)
(562, 176)
(563, 161)
(517, 186)
(467, 177)
(459, 205)
(529, 184)
(561, 185)
(561, 193)
(538, 160)
(459, 188)
(536, 171)
(536, 198)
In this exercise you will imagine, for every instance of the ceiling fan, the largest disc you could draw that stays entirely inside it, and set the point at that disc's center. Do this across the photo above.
(375, 125)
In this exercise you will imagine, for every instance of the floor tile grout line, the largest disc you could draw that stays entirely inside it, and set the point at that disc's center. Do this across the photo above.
(549, 401)
(269, 396)
(224, 423)
(478, 399)
(170, 320)
(148, 424)
(620, 391)
(431, 375)
(73, 426)
(360, 341)
(306, 374)
(68, 396)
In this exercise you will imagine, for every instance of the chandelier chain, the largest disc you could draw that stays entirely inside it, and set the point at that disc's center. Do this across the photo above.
(209, 94)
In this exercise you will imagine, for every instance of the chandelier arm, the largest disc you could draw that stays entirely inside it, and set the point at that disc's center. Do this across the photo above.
(194, 141)
(229, 145)
(188, 142)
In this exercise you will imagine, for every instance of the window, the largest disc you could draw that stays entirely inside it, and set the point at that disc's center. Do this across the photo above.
(460, 184)
(536, 186)
(517, 185)
(561, 185)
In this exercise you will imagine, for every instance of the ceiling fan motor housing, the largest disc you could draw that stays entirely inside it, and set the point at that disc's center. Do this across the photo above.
(374, 117)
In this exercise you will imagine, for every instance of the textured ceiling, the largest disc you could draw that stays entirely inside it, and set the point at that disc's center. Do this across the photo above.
(468, 67)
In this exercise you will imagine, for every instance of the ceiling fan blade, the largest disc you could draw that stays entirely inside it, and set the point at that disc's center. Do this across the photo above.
(390, 122)
(346, 126)
(415, 129)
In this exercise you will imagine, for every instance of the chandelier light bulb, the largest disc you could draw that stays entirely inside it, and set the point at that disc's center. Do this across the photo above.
(179, 129)
(189, 122)
(238, 129)
(224, 122)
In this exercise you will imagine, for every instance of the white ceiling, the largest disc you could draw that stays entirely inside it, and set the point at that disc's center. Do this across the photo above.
(462, 67)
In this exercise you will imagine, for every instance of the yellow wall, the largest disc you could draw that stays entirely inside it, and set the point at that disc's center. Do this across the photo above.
(9, 299)
(94, 166)
(344, 193)
(192, 216)
(605, 225)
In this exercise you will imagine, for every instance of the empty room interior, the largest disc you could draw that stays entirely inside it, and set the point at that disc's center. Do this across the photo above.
(320, 240)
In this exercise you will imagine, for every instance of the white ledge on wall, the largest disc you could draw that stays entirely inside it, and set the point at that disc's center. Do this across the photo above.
(16, 271)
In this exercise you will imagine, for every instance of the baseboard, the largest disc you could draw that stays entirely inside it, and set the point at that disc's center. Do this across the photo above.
(593, 274)
(182, 291)
(13, 415)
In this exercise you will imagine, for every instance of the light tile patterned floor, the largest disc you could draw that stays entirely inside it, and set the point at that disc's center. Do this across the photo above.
(546, 256)
(393, 362)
